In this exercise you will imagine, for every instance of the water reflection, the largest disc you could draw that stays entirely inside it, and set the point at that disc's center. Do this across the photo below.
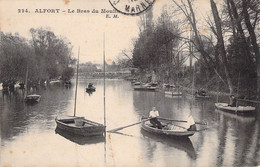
(28, 132)
(81, 140)
(180, 143)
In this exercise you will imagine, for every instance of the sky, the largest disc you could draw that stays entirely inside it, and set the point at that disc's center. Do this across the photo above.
(84, 30)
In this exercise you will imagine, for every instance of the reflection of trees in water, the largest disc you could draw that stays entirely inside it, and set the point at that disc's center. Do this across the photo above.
(16, 116)
(244, 134)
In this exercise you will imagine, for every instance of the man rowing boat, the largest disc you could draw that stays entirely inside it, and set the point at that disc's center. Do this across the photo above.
(154, 121)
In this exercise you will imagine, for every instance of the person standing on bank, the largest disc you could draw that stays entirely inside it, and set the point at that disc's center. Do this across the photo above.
(154, 121)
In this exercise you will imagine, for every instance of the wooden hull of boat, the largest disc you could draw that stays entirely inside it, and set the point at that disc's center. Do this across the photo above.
(240, 110)
(90, 89)
(202, 97)
(137, 83)
(32, 99)
(173, 93)
(146, 88)
(180, 143)
(89, 128)
(81, 140)
(176, 133)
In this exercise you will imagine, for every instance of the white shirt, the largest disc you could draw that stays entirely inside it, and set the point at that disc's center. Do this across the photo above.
(190, 120)
(154, 114)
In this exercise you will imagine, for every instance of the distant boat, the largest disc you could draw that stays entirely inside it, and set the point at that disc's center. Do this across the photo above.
(54, 81)
(137, 83)
(146, 87)
(240, 110)
(90, 88)
(168, 129)
(67, 83)
(201, 96)
(33, 98)
(79, 125)
(173, 93)
(196, 96)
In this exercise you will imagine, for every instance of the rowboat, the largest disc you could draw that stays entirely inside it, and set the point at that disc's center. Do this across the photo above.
(91, 89)
(79, 126)
(180, 143)
(236, 117)
(137, 83)
(240, 110)
(201, 97)
(169, 129)
(196, 96)
(146, 87)
(32, 98)
(81, 140)
(173, 93)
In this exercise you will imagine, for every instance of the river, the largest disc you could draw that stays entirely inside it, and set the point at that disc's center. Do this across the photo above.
(28, 136)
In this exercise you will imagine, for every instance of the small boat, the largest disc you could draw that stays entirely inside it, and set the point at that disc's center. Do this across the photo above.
(32, 98)
(169, 129)
(90, 88)
(197, 96)
(81, 140)
(240, 110)
(137, 83)
(173, 93)
(239, 118)
(55, 81)
(146, 87)
(180, 143)
(67, 83)
(79, 126)
(133, 80)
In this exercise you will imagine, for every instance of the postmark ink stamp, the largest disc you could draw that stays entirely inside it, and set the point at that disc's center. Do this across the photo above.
(131, 7)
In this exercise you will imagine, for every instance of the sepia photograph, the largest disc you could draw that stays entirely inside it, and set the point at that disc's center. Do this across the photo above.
(129, 83)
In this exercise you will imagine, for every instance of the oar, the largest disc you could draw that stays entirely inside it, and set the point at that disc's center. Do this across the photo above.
(117, 129)
(200, 123)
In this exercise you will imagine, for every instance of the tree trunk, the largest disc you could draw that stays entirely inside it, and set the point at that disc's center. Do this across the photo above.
(244, 48)
(221, 44)
(253, 41)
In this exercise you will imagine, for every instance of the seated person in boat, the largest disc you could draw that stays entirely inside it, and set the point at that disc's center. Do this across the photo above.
(201, 92)
(90, 85)
(154, 121)
(233, 101)
(191, 124)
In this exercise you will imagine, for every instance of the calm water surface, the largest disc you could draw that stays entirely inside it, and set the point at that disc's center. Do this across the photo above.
(28, 136)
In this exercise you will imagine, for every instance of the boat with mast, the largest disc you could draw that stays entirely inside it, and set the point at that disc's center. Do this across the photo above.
(79, 125)
(32, 98)
(174, 90)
